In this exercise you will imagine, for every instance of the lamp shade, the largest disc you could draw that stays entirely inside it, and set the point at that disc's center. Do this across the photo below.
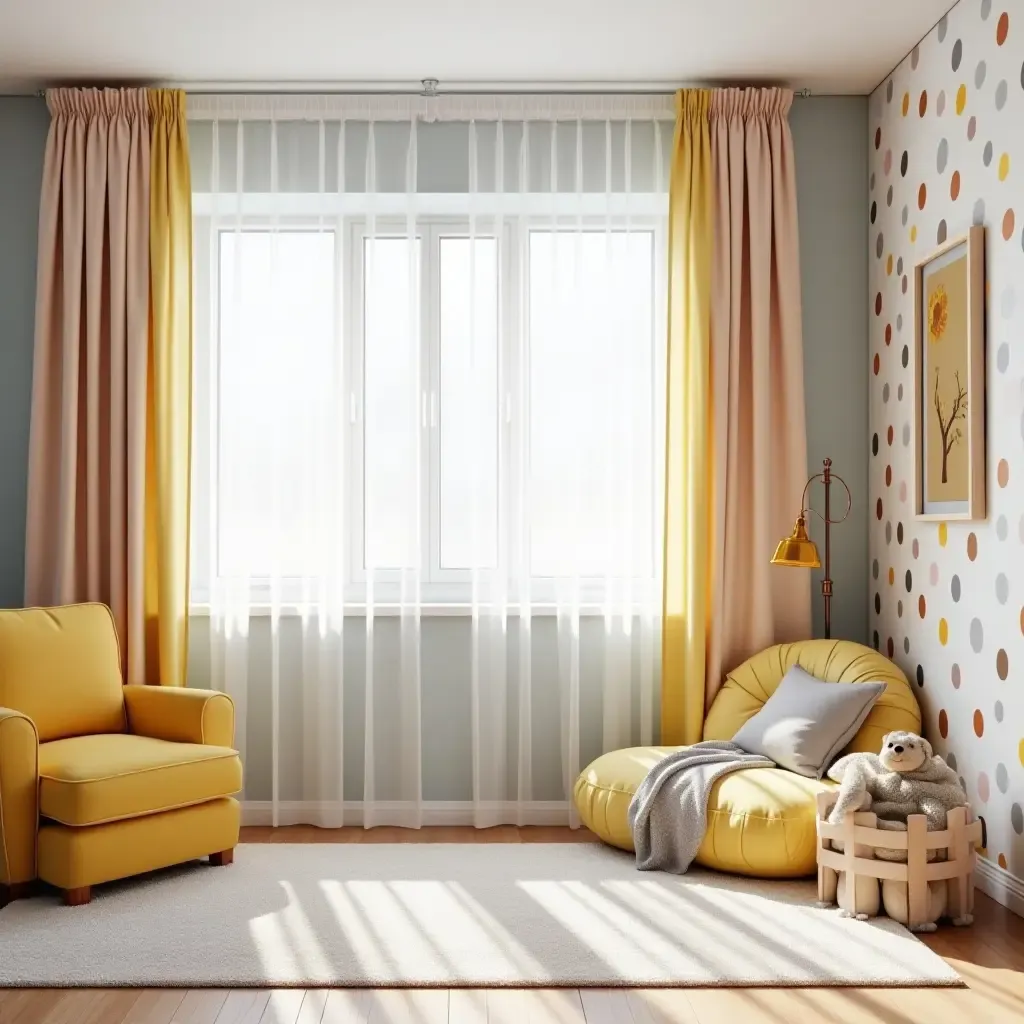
(797, 549)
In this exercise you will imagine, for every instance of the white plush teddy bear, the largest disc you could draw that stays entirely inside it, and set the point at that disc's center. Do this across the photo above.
(904, 778)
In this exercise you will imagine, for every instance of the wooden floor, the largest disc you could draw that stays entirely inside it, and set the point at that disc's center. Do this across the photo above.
(989, 957)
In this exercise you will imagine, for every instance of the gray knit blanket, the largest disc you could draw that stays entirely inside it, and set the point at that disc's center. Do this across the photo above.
(669, 811)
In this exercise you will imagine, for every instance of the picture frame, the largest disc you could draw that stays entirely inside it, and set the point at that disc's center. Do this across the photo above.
(949, 380)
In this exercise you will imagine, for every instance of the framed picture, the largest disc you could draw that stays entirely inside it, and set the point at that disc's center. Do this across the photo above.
(949, 385)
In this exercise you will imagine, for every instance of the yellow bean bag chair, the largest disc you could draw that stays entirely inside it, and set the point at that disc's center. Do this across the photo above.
(760, 820)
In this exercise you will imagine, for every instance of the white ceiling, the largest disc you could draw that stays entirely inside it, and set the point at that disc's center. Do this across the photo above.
(828, 46)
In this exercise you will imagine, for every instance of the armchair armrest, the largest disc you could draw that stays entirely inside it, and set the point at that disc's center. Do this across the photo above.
(181, 715)
(19, 798)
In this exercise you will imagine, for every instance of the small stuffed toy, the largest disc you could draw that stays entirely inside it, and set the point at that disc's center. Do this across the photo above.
(904, 778)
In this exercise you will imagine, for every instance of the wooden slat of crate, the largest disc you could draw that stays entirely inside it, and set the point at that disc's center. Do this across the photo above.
(865, 835)
(862, 866)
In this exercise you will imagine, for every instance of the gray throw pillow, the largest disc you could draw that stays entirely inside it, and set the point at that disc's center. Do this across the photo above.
(805, 723)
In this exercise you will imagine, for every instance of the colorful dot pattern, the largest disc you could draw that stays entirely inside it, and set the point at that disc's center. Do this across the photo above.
(947, 598)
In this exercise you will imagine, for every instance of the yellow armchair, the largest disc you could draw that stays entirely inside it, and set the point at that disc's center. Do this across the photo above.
(180, 716)
(100, 781)
(19, 773)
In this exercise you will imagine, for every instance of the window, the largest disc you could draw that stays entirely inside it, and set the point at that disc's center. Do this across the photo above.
(469, 439)
(456, 401)
(391, 350)
(591, 351)
(275, 295)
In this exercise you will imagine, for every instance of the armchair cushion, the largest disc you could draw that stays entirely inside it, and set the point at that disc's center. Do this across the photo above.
(181, 715)
(62, 668)
(19, 780)
(88, 780)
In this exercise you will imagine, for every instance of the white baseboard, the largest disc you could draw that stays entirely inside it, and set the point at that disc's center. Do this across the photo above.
(1000, 884)
(397, 812)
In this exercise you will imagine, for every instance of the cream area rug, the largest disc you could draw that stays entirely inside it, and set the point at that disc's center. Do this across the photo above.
(451, 915)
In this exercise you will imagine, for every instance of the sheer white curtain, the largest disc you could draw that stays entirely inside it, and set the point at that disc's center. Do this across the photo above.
(428, 412)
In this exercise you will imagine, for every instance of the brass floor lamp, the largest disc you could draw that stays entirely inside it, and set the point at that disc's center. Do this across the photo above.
(799, 551)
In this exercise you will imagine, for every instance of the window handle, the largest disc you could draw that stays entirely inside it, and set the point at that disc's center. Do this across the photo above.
(423, 408)
(353, 408)
(433, 409)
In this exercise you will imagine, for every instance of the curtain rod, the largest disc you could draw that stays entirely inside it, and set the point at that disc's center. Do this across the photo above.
(431, 87)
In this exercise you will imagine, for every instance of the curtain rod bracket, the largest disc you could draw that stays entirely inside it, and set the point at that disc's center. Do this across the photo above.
(430, 86)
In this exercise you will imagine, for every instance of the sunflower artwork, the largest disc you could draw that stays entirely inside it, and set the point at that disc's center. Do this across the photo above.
(949, 413)
(945, 380)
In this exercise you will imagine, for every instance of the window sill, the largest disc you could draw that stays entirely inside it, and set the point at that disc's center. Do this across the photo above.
(447, 610)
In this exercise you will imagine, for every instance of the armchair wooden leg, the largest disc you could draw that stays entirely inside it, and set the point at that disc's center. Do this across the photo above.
(9, 892)
(77, 897)
(223, 858)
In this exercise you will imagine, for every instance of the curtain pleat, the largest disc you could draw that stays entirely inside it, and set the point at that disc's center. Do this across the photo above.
(688, 437)
(736, 451)
(169, 392)
(759, 459)
(85, 522)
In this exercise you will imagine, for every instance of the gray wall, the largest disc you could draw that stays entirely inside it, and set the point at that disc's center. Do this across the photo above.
(23, 125)
(446, 728)
(830, 135)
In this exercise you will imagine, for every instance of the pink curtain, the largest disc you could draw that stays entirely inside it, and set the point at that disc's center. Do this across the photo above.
(86, 491)
(759, 457)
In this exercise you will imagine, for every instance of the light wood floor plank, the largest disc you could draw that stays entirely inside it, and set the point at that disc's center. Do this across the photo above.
(931, 1005)
(467, 1006)
(201, 1006)
(112, 1007)
(72, 1006)
(155, 1006)
(726, 1006)
(660, 1006)
(88, 1006)
(556, 1006)
(848, 1005)
(409, 1006)
(346, 1006)
(283, 1006)
(606, 1006)
(30, 1006)
(507, 1005)
(997, 989)
(243, 1006)
(312, 1009)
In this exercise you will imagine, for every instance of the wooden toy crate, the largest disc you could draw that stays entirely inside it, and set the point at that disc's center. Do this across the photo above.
(958, 840)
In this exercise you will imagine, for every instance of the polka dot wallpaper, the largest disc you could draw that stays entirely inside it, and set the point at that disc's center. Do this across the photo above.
(947, 599)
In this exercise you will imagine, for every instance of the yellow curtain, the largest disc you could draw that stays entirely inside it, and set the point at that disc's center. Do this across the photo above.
(688, 461)
(169, 392)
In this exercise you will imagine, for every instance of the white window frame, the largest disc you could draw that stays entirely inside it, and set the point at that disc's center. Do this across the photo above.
(443, 591)
(453, 584)
(354, 341)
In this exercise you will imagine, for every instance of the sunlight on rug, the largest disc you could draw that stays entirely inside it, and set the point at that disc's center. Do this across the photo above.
(451, 915)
